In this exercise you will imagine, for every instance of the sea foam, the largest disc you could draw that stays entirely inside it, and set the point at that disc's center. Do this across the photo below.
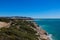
(50, 36)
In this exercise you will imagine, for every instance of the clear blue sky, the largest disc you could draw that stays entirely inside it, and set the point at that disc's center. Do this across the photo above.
(30, 8)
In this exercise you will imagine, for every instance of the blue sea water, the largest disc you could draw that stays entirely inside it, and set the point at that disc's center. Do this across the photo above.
(52, 26)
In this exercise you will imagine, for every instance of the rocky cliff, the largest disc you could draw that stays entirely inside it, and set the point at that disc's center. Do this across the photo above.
(42, 33)
(20, 29)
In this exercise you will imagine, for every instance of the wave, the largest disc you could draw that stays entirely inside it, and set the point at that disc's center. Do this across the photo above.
(50, 36)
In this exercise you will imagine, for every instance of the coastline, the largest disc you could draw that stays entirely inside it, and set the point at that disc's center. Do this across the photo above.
(42, 33)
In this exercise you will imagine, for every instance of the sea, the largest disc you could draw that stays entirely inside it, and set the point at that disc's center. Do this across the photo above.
(51, 26)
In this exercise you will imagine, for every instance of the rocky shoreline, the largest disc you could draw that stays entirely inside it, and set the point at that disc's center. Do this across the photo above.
(42, 33)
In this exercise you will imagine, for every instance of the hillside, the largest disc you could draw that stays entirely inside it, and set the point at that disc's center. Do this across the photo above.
(20, 29)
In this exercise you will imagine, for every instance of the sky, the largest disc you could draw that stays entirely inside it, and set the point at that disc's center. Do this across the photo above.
(30, 8)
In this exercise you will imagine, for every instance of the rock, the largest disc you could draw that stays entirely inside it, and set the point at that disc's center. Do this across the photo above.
(43, 34)
(45, 37)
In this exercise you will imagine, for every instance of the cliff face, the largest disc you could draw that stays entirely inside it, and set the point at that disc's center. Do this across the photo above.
(17, 29)
(42, 33)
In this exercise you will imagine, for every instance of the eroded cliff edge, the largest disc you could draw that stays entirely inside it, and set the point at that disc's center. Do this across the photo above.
(42, 33)
(21, 29)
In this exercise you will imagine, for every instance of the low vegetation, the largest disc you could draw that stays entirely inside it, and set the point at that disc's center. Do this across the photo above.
(18, 30)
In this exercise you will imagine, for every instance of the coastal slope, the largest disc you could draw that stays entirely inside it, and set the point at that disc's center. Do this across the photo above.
(21, 29)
